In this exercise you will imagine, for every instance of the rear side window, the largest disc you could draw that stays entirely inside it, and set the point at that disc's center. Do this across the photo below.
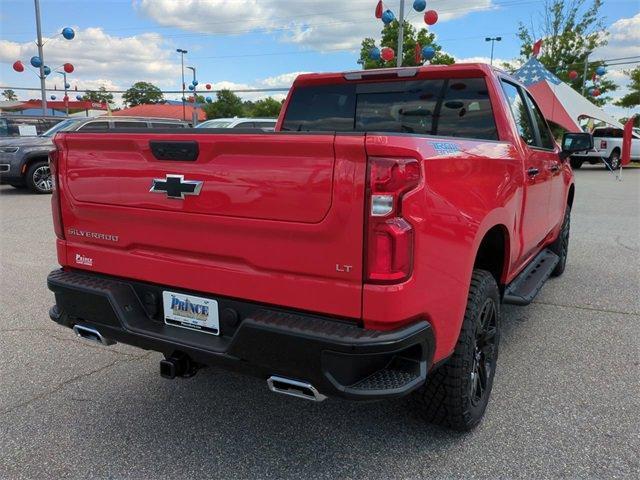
(520, 113)
(608, 133)
(166, 125)
(244, 125)
(546, 139)
(130, 125)
(94, 127)
(453, 108)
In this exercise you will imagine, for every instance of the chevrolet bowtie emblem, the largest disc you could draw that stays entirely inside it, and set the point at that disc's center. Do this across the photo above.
(175, 186)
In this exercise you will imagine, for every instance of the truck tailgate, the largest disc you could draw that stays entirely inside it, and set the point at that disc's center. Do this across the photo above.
(277, 218)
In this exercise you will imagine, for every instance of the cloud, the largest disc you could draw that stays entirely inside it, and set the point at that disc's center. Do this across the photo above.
(100, 57)
(331, 25)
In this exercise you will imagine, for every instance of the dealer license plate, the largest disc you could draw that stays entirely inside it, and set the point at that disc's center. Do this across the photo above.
(188, 311)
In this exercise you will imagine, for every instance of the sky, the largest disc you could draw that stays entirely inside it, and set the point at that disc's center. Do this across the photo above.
(259, 43)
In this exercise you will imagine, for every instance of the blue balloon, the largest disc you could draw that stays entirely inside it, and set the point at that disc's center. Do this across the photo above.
(47, 70)
(209, 99)
(388, 17)
(66, 85)
(35, 62)
(68, 33)
(194, 83)
(601, 70)
(419, 5)
(428, 52)
(190, 86)
(374, 53)
(79, 98)
(53, 97)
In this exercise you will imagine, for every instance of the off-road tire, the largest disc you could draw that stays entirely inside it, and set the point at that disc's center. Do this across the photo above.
(448, 397)
(614, 160)
(576, 164)
(561, 245)
(36, 177)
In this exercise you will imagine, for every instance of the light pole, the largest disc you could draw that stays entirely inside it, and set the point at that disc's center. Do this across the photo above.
(182, 53)
(492, 40)
(194, 83)
(66, 97)
(43, 88)
(400, 34)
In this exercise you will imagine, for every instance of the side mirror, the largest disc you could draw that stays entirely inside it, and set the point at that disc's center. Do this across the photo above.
(574, 143)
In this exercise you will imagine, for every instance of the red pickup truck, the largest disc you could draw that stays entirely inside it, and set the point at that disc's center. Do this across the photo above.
(362, 250)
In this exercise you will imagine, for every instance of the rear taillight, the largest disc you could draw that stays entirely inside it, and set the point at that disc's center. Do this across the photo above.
(58, 228)
(603, 144)
(389, 236)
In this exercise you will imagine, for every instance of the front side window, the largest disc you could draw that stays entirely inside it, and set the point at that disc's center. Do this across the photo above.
(520, 113)
(546, 139)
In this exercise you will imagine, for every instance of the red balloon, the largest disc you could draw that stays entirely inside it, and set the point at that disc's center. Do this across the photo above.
(387, 54)
(573, 74)
(208, 86)
(68, 67)
(596, 92)
(379, 9)
(430, 17)
(18, 66)
(66, 98)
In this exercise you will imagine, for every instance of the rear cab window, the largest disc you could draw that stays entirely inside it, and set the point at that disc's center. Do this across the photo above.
(439, 107)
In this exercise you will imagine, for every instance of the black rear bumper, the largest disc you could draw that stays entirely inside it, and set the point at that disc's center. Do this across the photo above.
(338, 358)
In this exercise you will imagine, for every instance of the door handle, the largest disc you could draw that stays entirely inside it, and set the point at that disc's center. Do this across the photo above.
(532, 172)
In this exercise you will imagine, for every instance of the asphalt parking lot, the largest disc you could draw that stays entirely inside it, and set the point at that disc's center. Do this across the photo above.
(565, 403)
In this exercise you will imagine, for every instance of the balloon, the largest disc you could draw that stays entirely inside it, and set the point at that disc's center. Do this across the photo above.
(388, 17)
(387, 54)
(53, 97)
(190, 86)
(68, 67)
(595, 92)
(601, 70)
(66, 98)
(35, 62)
(208, 99)
(47, 70)
(379, 9)
(79, 98)
(194, 83)
(431, 17)
(419, 5)
(374, 53)
(68, 33)
(208, 86)
(428, 52)
(573, 74)
(18, 66)
(67, 86)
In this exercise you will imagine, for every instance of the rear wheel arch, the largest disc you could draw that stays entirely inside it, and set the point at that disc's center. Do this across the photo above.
(30, 160)
(572, 191)
(493, 252)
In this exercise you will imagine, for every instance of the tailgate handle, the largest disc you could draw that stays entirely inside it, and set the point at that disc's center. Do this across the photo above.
(186, 151)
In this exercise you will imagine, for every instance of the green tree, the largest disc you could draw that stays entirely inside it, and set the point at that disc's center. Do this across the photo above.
(389, 38)
(227, 104)
(99, 96)
(141, 93)
(570, 32)
(632, 99)
(265, 108)
(9, 95)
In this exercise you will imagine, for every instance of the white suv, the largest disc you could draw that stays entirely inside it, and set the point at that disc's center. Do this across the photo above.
(265, 124)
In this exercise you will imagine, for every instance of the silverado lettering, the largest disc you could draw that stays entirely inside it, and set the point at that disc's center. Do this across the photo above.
(442, 187)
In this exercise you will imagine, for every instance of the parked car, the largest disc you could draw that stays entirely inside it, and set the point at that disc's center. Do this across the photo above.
(24, 161)
(266, 124)
(363, 250)
(10, 124)
(607, 147)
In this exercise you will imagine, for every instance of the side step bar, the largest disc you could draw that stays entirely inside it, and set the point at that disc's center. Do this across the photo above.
(524, 288)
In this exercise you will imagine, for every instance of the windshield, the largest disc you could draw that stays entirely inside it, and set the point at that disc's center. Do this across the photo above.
(215, 124)
(59, 126)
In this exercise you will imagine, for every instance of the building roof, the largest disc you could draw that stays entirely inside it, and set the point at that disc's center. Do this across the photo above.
(160, 110)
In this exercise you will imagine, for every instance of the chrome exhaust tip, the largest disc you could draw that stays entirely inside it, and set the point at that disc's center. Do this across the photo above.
(294, 388)
(91, 334)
